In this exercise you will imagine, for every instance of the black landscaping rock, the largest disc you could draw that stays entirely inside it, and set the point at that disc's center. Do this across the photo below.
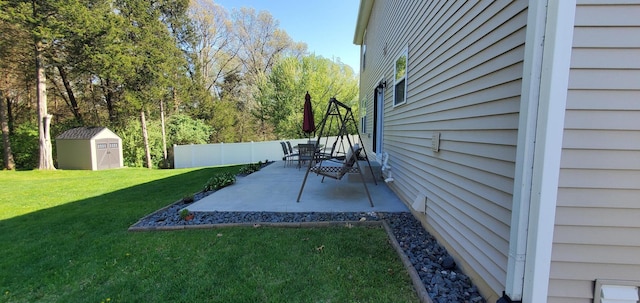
(448, 263)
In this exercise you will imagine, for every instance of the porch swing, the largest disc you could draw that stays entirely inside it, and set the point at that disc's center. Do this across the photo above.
(337, 163)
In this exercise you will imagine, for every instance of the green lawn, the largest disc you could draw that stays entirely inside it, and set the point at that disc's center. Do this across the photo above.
(64, 238)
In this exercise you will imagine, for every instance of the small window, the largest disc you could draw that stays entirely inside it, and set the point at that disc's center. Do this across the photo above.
(364, 50)
(113, 145)
(102, 145)
(400, 80)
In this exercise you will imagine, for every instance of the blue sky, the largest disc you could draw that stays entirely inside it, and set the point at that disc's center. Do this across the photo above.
(327, 26)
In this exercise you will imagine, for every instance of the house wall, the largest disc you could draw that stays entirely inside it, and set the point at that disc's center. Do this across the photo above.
(598, 208)
(74, 154)
(464, 81)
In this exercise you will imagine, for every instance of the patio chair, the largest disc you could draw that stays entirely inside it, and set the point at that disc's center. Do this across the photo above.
(287, 156)
(332, 154)
(290, 148)
(306, 152)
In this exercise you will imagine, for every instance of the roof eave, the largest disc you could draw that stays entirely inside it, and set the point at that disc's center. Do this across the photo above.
(364, 12)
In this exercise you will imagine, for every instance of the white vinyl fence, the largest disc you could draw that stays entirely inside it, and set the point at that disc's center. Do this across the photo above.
(199, 155)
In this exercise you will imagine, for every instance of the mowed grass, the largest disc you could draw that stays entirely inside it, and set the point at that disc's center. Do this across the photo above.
(64, 238)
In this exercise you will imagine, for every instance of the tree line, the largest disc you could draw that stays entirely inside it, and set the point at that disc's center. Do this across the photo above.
(157, 73)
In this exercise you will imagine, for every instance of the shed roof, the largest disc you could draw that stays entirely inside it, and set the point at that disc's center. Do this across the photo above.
(82, 133)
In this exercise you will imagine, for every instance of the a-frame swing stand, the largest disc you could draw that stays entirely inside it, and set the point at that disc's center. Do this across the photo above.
(330, 165)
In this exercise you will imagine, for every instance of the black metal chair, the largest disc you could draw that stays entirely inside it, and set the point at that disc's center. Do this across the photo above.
(306, 152)
(332, 154)
(290, 147)
(287, 156)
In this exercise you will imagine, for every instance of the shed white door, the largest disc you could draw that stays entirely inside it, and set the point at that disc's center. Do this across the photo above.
(108, 153)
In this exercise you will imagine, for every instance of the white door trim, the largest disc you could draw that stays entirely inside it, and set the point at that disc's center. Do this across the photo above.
(380, 121)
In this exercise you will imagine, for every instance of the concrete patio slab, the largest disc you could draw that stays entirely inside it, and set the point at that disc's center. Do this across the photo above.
(275, 189)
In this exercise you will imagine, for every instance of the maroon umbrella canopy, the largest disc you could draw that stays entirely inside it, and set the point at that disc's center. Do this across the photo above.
(308, 125)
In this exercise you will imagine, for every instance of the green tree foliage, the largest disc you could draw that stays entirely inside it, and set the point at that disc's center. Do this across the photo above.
(223, 77)
(234, 52)
(133, 151)
(281, 93)
(182, 129)
(24, 144)
(43, 23)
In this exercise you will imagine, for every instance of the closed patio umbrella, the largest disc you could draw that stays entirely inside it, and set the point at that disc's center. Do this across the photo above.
(308, 124)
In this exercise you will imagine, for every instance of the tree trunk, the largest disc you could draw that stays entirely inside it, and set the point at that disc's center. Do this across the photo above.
(145, 137)
(44, 119)
(108, 97)
(176, 102)
(10, 115)
(164, 135)
(9, 164)
(75, 109)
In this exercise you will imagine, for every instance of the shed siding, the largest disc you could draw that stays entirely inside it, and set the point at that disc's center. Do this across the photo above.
(76, 148)
(74, 154)
(597, 226)
(465, 63)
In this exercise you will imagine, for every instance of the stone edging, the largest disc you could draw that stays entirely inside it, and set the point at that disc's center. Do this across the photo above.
(256, 225)
(415, 278)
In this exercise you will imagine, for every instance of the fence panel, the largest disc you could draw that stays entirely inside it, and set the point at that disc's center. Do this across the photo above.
(200, 155)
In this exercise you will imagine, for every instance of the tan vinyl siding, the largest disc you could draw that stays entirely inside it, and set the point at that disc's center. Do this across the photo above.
(464, 80)
(597, 218)
(74, 154)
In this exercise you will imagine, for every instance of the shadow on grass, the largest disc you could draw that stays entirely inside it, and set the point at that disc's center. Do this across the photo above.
(117, 209)
(42, 248)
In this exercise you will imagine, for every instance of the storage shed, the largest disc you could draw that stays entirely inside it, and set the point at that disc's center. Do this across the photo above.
(91, 148)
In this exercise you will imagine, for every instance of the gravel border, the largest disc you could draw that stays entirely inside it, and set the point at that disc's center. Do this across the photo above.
(435, 275)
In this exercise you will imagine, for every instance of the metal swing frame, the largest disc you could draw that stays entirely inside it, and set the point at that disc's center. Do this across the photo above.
(335, 111)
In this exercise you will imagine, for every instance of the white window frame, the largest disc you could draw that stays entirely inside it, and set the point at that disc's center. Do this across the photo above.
(364, 50)
(397, 79)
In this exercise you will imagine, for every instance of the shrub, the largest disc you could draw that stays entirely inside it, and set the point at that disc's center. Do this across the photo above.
(184, 213)
(182, 129)
(219, 181)
(24, 145)
(188, 198)
(250, 168)
(133, 143)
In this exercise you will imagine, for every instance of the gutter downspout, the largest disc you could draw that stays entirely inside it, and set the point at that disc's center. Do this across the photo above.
(530, 94)
(544, 91)
(548, 151)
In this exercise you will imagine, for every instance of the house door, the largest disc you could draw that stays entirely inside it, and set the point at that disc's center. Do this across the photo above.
(378, 110)
(108, 153)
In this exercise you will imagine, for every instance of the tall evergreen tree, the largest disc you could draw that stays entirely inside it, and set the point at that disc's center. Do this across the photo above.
(42, 21)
